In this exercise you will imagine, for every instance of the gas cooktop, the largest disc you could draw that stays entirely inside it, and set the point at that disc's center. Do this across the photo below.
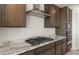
(38, 40)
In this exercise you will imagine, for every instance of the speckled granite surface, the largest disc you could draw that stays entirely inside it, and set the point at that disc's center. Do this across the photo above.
(20, 47)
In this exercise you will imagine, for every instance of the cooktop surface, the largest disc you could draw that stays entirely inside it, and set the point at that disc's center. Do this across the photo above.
(38, 40)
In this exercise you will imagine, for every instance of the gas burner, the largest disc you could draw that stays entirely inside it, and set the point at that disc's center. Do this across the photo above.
(38, 40)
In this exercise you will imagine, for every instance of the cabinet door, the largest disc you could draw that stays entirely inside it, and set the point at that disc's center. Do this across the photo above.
(58, 48)
(50, 21)
(44, 48)
(64, 46)
(53, 16)
(58, 17)
(54, 19)
(62, 29)
(47, 19)
(15, 15)
(0, 14)
(50, 51)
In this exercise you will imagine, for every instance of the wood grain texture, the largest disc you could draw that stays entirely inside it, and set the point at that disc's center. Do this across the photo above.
(64, 46)
(15, 15)
(58, 15)
(50, 51)
(59, 48)
(44, 48)
(66, 15)
(50, 21)
(54, 19)
(0, 14)
(62, 29)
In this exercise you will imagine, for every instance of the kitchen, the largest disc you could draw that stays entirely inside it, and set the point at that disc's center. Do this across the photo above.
(36, 29)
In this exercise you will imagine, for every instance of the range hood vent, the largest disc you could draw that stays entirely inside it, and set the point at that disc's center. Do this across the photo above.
(36, 11)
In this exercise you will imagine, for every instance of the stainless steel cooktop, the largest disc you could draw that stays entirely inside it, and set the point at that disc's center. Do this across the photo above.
(38, 40)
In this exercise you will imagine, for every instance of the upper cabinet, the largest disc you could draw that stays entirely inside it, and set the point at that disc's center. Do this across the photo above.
(0, 15)
(58, 15)
(54, 19)
(66, 22)
(13, 15)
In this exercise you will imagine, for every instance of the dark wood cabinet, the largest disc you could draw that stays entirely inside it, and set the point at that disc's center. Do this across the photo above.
(66, 27)
(13, 15)
(62, 29)
(58, 14)
(59, 47)
(64, 45)
(49, 48)
(0, 14)
(50, 51)
(50, 21)
(66, 18)
(54, 19)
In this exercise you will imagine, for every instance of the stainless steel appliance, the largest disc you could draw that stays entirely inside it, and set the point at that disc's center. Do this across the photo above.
(38, 40)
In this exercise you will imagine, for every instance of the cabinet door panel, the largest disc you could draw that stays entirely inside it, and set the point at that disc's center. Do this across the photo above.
(57, 17)
(50, 51)
(53, 16)
(50, 21)
(15, 15)
(47, 23)
(45, 47)
(59, 47)
(54, 19)
(0, 14)
(64, 46)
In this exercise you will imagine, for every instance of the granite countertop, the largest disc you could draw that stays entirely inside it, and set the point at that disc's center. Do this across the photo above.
(20, 47)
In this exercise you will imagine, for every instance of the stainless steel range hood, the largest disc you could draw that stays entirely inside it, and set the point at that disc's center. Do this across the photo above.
(36, 11)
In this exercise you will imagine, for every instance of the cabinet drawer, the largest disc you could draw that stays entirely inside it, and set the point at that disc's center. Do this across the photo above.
(50, 51)
(45, 47)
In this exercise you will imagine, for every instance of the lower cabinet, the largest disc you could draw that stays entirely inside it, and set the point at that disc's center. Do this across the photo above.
(50, 51)
(46, 50)
(64, 46)
(59, 47)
